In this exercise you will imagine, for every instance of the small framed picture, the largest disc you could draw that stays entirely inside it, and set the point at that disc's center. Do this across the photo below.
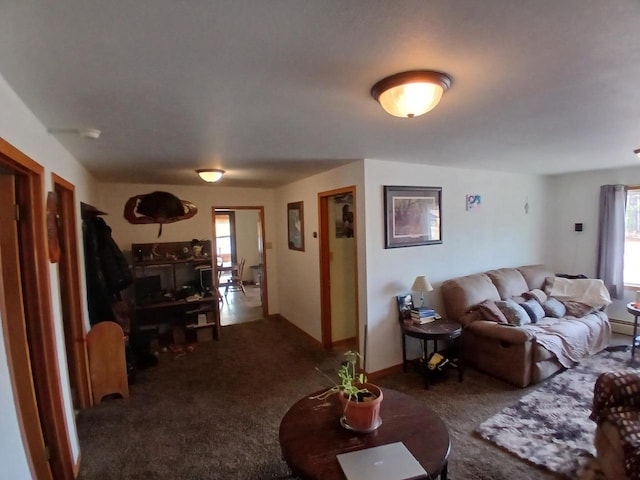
(412, 216)
(295, 225)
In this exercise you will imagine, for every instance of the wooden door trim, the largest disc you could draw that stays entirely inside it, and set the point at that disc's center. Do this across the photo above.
(40, 325)
(325, 277)
(72, 291)
(263, 259)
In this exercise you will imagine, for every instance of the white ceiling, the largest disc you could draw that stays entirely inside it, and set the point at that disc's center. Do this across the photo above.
(275, 90)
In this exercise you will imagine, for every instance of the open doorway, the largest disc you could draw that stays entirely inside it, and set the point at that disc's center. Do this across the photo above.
(338, 268)
(238, 234)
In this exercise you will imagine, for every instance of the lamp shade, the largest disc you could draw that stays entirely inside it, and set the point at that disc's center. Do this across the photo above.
(210, 175)
(421, 284)
(411, 94)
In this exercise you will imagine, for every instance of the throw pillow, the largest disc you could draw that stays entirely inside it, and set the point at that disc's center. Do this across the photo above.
(490, 311)
(515, 313)
(536, 294)
(577, 309)
(533, 309)
(554, 308)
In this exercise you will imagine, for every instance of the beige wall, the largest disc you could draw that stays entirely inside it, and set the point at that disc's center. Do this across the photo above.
(112, 197)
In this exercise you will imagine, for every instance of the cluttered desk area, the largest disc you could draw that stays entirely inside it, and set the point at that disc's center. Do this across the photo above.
(174, 287)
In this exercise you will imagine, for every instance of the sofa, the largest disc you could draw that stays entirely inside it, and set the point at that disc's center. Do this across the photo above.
(616, 411)
(521, 352)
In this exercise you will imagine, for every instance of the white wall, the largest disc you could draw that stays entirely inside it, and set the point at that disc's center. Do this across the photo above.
(299, 274)
(20, 128)
(247, 240)
(112, 197)
(575, 199)
(497, 234)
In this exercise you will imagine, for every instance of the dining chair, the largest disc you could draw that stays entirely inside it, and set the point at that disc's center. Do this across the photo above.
(235, 282)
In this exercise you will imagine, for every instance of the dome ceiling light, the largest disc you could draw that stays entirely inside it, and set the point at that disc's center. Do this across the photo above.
(411, 94)
(210, 175)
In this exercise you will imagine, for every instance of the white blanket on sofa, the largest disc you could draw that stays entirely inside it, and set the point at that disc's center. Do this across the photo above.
(590, 291)
(572, 339)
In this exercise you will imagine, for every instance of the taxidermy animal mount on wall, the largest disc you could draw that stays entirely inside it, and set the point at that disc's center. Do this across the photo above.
(158, 207)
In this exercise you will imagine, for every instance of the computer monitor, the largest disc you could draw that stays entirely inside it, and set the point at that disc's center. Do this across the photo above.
(148, 288)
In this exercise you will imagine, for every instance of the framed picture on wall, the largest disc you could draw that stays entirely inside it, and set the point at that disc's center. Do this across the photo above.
(412, 216)
(295, 225)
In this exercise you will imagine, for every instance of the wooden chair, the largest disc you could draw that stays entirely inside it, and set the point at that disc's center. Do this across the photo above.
(235, 282)
(107, 362)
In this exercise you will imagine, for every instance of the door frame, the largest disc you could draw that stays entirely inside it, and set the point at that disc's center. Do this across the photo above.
(325, 263)
(32, 355)
(70, 293)
(264, 282)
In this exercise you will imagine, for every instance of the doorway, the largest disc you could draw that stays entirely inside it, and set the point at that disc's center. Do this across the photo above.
(70, 302)
(27, 317)
(238, 243)
(338, 268)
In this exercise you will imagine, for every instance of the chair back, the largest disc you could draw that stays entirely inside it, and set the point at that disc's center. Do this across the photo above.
(241, 268)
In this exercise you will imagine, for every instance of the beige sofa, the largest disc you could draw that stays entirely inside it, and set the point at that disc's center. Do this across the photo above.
(515, 353)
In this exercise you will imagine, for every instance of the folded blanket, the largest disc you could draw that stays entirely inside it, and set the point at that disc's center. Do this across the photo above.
(590, 291)
(572, 339)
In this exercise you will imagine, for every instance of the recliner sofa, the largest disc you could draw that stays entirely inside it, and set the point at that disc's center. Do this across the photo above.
(516, 353)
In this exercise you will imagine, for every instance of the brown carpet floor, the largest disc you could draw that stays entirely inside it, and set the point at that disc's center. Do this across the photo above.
(214, 413)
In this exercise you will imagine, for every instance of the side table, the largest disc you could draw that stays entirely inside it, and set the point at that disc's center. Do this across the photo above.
(435, 331)
(635, 311)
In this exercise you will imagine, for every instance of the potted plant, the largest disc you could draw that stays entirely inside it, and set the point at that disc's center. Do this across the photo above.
(360, 400)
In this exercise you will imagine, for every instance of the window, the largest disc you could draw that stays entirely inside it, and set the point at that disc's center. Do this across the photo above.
(632, 238)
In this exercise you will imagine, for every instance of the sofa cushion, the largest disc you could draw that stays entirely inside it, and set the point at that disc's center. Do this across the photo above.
(460, 294)
(490, 311)
(554, 308)
(536, 294)
(508, 281)
(577, 309)
(533, 309)
(515, 314)
(535, 275)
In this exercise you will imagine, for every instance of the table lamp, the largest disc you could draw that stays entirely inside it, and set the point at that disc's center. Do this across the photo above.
(421, 284)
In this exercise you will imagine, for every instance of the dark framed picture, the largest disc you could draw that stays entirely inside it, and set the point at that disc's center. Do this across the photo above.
(295, 225)
(412, 216)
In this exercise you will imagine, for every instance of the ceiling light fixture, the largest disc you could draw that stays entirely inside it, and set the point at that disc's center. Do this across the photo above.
(637, 152)
(92, 133)
(210, 175)
(411, 94)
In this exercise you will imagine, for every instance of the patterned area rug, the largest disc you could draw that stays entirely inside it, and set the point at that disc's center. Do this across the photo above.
(550, 427)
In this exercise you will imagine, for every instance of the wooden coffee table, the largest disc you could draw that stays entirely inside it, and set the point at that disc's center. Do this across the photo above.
(311, 435)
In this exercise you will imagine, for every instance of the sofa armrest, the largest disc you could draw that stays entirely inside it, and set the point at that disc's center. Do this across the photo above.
(504, 333)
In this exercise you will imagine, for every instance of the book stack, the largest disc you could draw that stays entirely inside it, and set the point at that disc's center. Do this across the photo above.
(422, 315)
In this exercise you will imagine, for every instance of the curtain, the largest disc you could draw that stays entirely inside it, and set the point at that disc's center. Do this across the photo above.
(611, 231)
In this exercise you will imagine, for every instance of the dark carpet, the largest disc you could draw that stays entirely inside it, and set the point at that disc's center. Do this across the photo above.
(214, 413)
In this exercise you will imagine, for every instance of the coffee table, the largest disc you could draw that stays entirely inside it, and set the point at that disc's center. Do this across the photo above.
(635, 311)
(311, 435)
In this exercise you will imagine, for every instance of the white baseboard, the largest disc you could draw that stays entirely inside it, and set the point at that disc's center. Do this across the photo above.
(621, 326)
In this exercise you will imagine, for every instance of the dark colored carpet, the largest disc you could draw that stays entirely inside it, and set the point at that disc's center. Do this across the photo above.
(215, 413)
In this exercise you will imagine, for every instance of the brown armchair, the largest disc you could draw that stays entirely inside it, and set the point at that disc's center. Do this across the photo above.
(616, 410)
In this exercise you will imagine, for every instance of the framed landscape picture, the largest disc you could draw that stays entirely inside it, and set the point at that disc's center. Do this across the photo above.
(412, 216)
(295, 225)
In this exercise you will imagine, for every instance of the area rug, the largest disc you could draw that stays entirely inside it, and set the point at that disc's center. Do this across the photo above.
(550, 427)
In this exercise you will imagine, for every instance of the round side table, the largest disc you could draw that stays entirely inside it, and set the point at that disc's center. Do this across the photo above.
(311, 435)
(635, 311)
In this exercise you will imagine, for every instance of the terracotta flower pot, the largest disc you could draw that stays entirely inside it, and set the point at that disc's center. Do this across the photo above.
(362, 416)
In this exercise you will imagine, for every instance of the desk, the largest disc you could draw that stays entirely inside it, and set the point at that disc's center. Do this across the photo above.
(311, 435)
(432, 331)
(635, 311)
(176, 311)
